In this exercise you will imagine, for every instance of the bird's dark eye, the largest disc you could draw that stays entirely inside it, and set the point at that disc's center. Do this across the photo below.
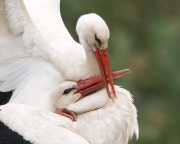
(67, 91)
(98, 40)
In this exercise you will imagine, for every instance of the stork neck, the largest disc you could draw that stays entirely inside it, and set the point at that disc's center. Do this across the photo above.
(91, 62)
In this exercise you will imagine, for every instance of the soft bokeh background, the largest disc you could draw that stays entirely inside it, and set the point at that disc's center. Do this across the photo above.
(145, 36)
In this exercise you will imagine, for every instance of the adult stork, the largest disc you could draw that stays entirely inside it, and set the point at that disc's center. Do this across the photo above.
(111, 122)
(38, 53)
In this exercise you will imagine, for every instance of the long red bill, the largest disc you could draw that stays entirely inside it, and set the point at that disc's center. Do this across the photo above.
(105, 68)
(90, 85)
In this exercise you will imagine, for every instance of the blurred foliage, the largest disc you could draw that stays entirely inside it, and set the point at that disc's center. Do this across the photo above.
(145, 36)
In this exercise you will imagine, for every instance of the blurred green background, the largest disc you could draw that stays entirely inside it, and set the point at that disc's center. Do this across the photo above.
(145, 37)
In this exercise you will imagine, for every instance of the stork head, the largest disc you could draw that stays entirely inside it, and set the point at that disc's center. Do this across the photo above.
(68, 97)
(93, 30)
(65, 94)
(93, 34)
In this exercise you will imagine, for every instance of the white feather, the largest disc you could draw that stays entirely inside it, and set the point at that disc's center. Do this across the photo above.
(37, 87)
(26, 36)
(39, 48)
(113, 123)
(13, 81)
(8, 69)
(101, 114)
(20, 43)
(37, 129)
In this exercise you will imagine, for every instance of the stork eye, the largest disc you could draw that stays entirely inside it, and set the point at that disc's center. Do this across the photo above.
(67, 91)
(98, 40)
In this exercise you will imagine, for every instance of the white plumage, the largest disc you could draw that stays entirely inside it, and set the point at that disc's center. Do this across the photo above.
(22, 63)
(99, 115)
(115, 122)
(38, 51)
(34, 47)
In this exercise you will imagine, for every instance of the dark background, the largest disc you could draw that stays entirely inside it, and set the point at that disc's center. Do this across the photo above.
(145, 37)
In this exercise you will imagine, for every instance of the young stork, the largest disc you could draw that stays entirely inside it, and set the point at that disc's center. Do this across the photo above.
(38, 53)
(99, 121)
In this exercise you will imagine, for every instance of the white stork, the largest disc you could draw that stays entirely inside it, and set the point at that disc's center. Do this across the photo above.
(38, 53)
(111, 122)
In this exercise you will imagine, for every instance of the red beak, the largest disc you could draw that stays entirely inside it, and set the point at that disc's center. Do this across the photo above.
(90, 85)
(106, 79)
(105, 69)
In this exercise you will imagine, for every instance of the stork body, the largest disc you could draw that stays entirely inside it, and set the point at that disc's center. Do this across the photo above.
(115, 122)
(37, 54)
